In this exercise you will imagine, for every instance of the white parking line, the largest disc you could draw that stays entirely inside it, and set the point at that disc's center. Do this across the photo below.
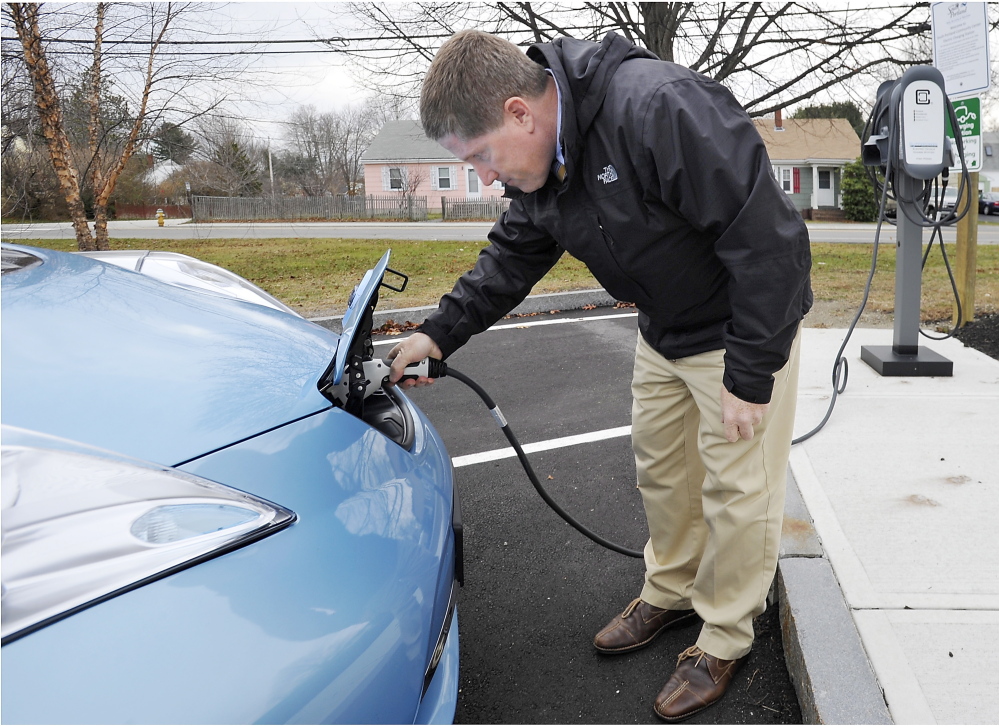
(530, 324)
(560, 443)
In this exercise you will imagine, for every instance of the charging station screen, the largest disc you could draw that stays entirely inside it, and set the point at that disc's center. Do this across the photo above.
(923, 123)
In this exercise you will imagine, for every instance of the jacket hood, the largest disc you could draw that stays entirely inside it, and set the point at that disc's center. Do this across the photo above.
(584, 71)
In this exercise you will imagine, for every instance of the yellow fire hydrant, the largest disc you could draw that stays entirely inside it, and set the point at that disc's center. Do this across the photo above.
(160, 217)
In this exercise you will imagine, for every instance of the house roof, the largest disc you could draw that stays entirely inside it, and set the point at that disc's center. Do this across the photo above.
(806, 139)
(161, 171)
(404, 141)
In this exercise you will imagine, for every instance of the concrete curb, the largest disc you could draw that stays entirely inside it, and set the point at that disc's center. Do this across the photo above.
(532, 304)
(826, 660)
(827, 663)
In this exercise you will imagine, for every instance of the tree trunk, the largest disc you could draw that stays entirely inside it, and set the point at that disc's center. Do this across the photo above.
(50, 117)
(97, 178)
(101, 226)
(662, 20)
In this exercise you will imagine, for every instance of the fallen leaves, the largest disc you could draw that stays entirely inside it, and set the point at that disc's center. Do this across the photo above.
(393, 328)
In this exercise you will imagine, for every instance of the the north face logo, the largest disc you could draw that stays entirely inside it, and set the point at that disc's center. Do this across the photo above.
(609, 175)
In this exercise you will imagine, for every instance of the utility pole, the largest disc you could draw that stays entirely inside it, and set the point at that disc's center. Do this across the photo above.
(270, 166)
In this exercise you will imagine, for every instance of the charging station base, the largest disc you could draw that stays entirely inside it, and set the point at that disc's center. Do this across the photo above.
(887, 362)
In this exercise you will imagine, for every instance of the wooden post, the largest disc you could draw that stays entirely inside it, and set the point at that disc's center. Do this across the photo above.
(965, 266)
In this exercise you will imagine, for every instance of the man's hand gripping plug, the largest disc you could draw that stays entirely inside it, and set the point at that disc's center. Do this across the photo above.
(412, 350)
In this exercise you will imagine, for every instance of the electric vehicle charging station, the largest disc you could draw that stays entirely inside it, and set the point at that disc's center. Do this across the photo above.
(909, 143)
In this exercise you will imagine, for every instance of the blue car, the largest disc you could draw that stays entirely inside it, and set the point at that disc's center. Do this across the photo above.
(204, 519)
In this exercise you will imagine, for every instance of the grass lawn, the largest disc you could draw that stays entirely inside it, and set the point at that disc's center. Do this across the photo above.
(317, 275)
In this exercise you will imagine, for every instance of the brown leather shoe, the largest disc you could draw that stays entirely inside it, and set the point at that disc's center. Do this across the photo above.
(638, 625)
(698, 681)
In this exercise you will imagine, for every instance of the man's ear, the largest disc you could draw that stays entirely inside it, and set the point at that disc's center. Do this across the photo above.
(521, 111)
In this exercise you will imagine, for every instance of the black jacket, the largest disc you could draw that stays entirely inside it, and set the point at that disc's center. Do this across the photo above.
(670, 202)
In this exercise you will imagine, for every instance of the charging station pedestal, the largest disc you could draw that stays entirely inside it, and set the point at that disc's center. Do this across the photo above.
(913, 144)
(904, 357)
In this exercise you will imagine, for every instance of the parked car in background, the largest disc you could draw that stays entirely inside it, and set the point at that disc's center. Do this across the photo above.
(947, 202)
(194, 529)
(988, 203)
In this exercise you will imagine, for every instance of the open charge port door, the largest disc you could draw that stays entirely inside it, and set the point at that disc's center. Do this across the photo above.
(348, 384)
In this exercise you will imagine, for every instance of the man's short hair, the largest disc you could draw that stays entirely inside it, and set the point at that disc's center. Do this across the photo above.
(470, 78)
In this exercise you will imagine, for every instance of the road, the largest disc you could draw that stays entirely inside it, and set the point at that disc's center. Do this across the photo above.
(988, 231)
(536, 591)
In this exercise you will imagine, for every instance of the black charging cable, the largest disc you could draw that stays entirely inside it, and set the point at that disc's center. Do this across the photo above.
(440, 369)
(841, 368)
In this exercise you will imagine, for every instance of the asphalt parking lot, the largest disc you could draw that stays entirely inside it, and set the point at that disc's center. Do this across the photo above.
(536, 591)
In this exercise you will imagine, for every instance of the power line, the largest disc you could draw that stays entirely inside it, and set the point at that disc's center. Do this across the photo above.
(334, 39)
(344, 40)
(217, 54)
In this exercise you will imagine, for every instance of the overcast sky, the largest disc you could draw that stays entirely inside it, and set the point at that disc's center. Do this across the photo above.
(282, 82)
(286, 76)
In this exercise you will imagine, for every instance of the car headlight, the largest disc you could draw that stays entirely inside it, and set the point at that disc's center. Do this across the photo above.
(80, 528)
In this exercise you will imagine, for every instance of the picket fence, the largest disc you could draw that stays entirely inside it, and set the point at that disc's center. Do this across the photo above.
(473, 207)
(207, 209)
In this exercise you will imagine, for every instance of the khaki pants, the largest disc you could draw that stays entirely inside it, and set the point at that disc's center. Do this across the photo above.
(714, 508)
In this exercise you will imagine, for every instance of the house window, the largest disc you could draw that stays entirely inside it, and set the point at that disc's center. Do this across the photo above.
(498, 185)
(395, 178)
(988, 149)
(789, 178)
(473, 183)
(825, 180)
(443, 177)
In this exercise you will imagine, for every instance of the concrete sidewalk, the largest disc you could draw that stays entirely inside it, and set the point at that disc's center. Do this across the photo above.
(902, 490)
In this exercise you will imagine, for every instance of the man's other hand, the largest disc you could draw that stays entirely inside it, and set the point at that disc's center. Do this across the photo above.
(739, 417)
(411, 350)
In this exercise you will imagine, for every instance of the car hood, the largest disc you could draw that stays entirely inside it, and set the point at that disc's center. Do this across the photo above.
(156, 372)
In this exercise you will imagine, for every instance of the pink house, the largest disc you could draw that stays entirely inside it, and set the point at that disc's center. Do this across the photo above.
(402, 159)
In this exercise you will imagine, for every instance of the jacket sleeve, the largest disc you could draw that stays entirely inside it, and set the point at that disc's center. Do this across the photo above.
(517, 257)
(712, 169)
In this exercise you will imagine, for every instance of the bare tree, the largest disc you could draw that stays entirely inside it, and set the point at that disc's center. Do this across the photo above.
(312, 137)
(412, 179)
(392, 108)
(229, 163)
(25, 17)
(27, 182)
(772, 56)
(356, 129)
(327, 147)
(16, 105)
(85, 55)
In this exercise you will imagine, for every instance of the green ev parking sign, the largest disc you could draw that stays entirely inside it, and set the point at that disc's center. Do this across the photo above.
(969, 119)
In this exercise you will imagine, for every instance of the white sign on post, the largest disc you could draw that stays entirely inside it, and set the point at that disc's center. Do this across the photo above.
(961, 47)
